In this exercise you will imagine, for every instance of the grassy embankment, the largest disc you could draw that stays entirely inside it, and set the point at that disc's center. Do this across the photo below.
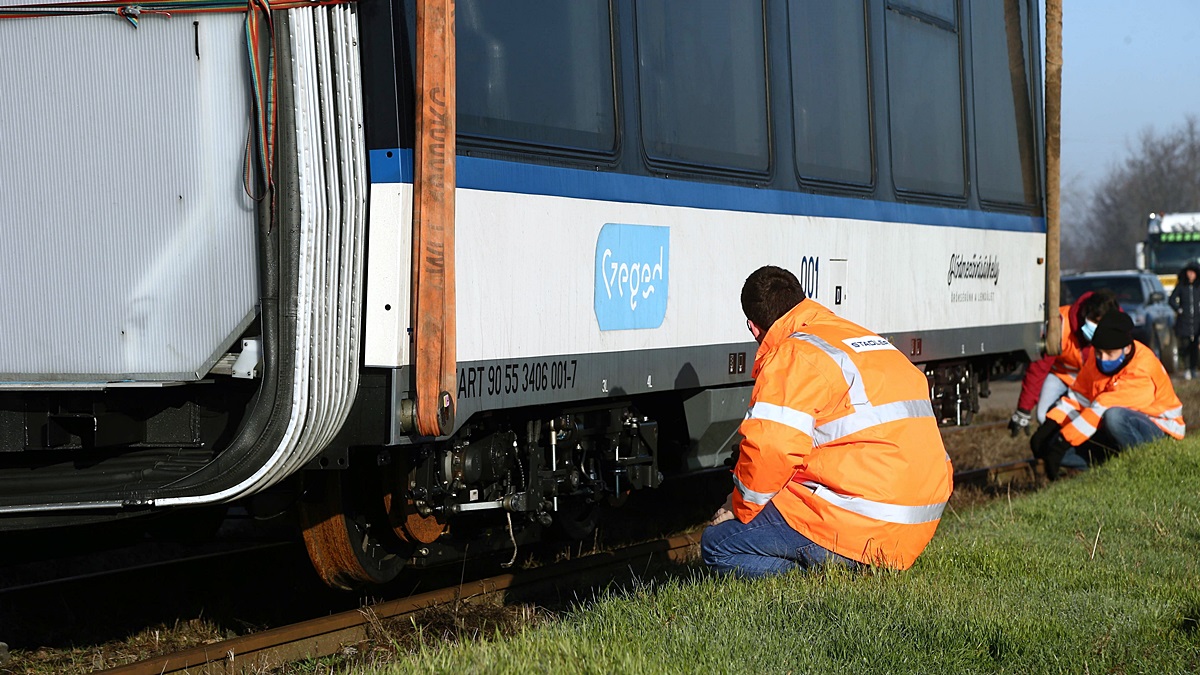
(1100, 573)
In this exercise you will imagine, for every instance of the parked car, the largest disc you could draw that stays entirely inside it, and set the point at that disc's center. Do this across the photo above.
(1143, 298)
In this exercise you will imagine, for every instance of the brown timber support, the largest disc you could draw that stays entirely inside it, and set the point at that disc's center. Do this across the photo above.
(433, 219)
(1054, 62)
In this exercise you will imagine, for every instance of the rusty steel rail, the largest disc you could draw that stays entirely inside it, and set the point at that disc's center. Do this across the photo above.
(326, 635)
(975, 427)
(1001, 474)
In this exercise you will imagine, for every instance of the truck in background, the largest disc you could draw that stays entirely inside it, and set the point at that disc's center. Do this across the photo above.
(1172, 241)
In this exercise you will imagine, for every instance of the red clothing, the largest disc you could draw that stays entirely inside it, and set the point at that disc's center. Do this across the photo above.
(1071, 355)
(1031, 386)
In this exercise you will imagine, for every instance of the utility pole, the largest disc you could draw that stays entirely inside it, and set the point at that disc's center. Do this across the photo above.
(1054, 61)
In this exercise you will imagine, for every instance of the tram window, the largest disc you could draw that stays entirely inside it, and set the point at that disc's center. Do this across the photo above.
(924, 105)
(831, 102)
(1004, 150)
(702, 80)
(536, 71)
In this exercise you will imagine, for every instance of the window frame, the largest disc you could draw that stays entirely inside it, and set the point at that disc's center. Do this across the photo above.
(872, 132)
(1035, 205)
(499, 147)
(665, 167)
(925, 196)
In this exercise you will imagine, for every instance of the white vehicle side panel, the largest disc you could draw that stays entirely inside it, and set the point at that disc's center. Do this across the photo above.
(389, 274)
(129, 242)
(526, 273)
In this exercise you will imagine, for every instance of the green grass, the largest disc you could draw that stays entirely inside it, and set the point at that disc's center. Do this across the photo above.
(1097, 574)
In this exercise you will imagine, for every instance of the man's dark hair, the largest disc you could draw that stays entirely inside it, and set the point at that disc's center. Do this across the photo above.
(1100, 303)
(769, 293)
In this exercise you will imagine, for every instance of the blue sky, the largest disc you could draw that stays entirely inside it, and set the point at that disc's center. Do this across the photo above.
(1127, 66)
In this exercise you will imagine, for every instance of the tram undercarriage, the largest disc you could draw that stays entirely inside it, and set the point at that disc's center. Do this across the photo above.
(503, 478)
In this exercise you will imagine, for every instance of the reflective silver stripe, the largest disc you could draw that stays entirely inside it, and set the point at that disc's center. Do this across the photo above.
(1079, 398)
(1064, 407)
(1170, 426)
(790, 417)
(889, 513)
(870, 417)
(1075, 419)
(1064, 404)
(760, 498)
(1173, 412)
(858, 395)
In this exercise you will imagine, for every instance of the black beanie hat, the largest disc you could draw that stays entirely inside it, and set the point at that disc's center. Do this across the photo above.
(1115, 331)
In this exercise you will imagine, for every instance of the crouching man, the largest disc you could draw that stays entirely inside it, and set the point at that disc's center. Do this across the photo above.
(842, 462)
(1121, 398)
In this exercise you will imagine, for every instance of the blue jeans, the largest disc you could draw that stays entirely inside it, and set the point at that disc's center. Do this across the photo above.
(764, 546)
(1128, 428)
(1120, 428)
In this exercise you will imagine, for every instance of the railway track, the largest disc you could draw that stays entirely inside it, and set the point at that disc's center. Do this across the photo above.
(342, 624)
(327, 635)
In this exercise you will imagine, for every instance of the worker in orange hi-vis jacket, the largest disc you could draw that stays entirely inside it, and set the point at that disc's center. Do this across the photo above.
(1121, 398)
(842, 462)
(1048, 379)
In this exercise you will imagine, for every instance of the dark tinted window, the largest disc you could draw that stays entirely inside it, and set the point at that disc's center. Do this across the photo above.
(831, 111)
(537, 71)
(925, 101)
(1128, 289)
(1004, 149)
(702, 79)
(1169, 258)
(941, 9)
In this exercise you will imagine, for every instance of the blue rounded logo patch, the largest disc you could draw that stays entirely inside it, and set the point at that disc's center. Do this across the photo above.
(632, 273)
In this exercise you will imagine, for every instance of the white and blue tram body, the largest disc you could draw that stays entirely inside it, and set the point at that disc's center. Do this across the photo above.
(175, 336)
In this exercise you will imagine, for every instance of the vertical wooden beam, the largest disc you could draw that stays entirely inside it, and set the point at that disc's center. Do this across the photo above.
(433, 219)
(1054, 62)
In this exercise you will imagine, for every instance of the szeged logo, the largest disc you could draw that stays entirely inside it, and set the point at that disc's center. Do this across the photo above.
(633, 272)
(985, 267)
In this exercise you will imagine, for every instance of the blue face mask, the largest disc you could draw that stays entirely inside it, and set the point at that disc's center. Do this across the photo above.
(1089, 329)
(1108, 367)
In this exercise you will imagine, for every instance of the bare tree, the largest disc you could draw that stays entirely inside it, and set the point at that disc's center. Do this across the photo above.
(1161, 174)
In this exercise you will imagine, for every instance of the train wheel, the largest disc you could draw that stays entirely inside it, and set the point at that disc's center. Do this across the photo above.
(407, 523)
(347, 549)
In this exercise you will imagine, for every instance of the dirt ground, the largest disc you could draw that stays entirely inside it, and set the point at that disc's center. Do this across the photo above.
(1003, 400)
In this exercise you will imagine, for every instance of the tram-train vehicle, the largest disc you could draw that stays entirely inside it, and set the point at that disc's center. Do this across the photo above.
(441, 276)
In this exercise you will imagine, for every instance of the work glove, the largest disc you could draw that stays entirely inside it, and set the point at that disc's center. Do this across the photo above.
(1056, 448)
(1049, 446)
(1019, 422)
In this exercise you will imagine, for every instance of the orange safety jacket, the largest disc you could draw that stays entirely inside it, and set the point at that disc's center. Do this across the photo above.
(1142, 385)
(1071, 355)
(842, 438)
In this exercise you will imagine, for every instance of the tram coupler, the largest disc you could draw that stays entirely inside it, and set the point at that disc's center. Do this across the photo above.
(634, 461)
